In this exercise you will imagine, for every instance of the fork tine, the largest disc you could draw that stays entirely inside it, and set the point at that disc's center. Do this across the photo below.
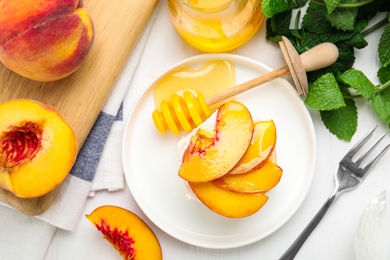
(359, 144)
(363, 156)
(377, 157)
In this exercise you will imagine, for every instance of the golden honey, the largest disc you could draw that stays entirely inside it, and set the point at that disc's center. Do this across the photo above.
(216, 25)
(180, 95)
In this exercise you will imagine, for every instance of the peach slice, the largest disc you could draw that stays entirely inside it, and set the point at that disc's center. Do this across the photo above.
(44, 40)
(262, 144)
(37, 148)
(258, 180)
(208, 160)
(228, 203)
(127, 233)
(199, 142)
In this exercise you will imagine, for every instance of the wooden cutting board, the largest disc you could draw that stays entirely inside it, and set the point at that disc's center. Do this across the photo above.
(79, 98)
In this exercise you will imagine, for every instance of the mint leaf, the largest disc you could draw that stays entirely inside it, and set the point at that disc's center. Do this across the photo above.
(384, 74)
(301, 3)
(307, 41)
(331, 5)
(343, 18)
(346, 58)
(334, 35)
(384, 47)
(278, 25)
(369, 10)
(358, 81)
(272, 7)
(356, 41)
(324, 94)
(381, 104)
(315, 21)
(342, 122)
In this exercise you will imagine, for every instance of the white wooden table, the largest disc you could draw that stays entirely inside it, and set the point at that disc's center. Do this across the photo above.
(334, 236)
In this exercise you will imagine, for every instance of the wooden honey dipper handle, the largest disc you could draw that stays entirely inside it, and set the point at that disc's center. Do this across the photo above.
(231, 92)
(318, 57)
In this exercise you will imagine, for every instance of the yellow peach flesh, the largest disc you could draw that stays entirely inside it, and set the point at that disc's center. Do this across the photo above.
(262, 144)
(234, 130)
(34, 173)
(257, 180)
(228, 203)
(127, 233)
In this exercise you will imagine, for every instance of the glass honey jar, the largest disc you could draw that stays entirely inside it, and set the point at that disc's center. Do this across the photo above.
(216, 25)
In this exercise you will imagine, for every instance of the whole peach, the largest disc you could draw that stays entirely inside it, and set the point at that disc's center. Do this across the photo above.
(44, 40)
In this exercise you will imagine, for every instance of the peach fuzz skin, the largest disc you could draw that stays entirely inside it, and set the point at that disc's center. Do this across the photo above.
(44, 40)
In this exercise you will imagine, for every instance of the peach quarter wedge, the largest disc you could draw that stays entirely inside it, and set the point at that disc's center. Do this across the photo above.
(208, 160)
(127, 233)
(228, 203)
(44, 40)
(37, 148)
(260, 179)
(261, 146)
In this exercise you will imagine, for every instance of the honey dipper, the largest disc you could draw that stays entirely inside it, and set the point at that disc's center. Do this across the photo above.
(190, 109)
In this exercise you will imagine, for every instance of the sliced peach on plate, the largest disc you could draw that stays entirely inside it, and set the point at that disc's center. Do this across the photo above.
(199, 142)
(127, 232)
(207, 161)
(37, 148)
(258, 180)
(228, 203)
(262, 144)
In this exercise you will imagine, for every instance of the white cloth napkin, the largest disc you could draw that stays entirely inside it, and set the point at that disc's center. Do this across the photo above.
(109, 173)
(97, 167)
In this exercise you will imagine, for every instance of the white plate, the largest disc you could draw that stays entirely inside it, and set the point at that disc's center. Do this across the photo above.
(151, 164)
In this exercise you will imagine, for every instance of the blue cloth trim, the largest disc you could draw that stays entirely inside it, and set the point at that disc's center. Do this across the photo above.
(119, 115)
(89, 155)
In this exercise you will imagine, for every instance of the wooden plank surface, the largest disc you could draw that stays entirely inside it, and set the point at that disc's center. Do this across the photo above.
(79, 98)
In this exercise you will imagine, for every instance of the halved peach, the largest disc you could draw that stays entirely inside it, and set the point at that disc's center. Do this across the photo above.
(127, 233)
(37, 148)
(228, 203)
(261, 146)
(258, 180)
(210, 160)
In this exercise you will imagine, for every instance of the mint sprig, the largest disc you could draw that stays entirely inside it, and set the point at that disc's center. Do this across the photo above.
(341, 122)
(333, 90)
(383, 47)
(325, 94)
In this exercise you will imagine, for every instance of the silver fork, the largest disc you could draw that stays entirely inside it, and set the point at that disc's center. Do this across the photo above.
(349, 174)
